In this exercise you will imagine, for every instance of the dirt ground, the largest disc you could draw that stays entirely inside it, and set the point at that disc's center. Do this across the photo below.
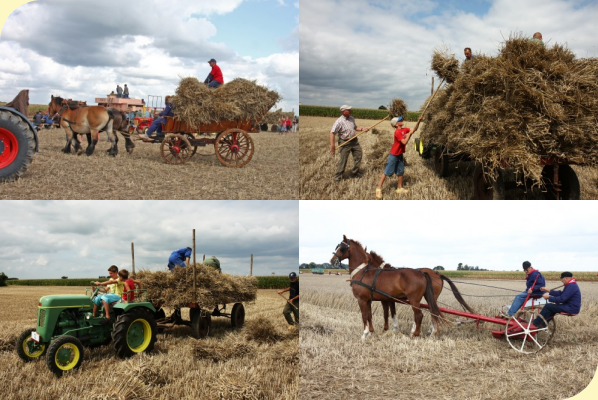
(318, 167)
(461, 363)
(272, 174)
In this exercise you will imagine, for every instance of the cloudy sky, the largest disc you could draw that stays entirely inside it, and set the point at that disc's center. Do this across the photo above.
(497, 236)
(366, 53)
(82, 49)
(80, 239)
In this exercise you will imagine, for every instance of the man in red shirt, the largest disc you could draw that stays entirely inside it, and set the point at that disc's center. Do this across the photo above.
(396, 164)
(214, 78)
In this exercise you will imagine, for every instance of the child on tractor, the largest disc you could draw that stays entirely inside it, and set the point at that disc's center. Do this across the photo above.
(115, 288)
(129, 286)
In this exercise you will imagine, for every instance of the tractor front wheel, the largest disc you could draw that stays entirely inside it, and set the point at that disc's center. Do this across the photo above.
(134, 332)
(28, 349)
(64, 354)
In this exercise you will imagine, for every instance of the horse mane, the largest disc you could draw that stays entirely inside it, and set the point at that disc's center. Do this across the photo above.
(57, 100)
(377, 257)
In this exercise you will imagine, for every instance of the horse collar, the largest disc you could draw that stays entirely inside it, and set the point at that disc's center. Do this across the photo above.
(356, 270)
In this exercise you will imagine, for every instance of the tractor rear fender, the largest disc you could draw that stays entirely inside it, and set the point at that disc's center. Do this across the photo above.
(126, 307)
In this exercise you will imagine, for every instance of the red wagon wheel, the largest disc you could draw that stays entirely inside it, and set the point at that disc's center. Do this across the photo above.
(175, 149)
(234, 148)
(524, 339)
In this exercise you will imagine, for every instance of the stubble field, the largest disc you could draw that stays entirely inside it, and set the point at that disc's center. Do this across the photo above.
(462, 363)
(229, 364)
(317, 168)
(272, 173)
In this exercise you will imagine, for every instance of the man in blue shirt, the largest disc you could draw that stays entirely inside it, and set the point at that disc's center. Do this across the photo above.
(534, 283)
(157, 124)
(568, 300)
(179, 257)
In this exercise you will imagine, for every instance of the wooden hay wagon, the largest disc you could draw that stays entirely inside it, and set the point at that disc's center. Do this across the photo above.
(232, 143)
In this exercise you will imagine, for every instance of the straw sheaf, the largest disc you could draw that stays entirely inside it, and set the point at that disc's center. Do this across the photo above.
(239, 99)
(176, 289)
(446, 66)
(528, 102)
(397, 108)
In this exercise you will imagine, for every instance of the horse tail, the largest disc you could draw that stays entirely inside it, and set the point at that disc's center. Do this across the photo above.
(429, 296)
(457, 294)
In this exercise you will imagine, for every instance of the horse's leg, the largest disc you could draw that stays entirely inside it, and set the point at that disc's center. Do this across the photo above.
(129, 145)
(418, 316)
(395, 320)
(95, 137)
(114, 148)
(366, 316)
(68, 137)
(385, 307)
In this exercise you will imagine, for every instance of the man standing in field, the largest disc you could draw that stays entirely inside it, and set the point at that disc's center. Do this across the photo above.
(292, 306)
(346, 128)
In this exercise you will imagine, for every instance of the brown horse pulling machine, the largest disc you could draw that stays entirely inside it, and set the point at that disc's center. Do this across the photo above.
(372, 281)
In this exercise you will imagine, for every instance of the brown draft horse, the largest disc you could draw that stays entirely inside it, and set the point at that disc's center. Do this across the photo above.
(370, 283)
(437, 283)
(90, 121)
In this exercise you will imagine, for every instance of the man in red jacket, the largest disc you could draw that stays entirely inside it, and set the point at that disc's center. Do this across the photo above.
(214, 78)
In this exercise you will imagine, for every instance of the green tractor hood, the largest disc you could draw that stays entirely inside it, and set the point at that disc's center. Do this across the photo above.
(66, 301)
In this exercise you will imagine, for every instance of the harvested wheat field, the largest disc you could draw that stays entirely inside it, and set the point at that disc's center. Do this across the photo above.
(317, 169)
(258, 362)
(462, 363)
(271, 174)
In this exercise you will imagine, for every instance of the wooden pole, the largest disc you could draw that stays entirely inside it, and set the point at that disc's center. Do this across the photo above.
(133, 258)
(432, 87)
(194, 270)
(355, 137)
(251, 266)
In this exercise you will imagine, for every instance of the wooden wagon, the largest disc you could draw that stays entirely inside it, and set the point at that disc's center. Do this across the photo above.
(232, 143)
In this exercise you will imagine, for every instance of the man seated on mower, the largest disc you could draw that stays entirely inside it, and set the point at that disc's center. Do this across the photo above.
(566, 301)
(157, 124)
(534, 282)
(115, 288)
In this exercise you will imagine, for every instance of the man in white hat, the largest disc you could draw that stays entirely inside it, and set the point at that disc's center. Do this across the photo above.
(346, 128)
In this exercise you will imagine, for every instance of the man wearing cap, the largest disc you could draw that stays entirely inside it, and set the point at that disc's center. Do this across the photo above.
(534, 281)
(179, 258)
(567, 300)
(346, 128)
(396, 163)
(214, 78)
(292, 306)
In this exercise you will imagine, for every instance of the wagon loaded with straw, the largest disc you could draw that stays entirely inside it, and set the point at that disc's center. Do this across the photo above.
(222, 117)
(204, 291)
(523, 117)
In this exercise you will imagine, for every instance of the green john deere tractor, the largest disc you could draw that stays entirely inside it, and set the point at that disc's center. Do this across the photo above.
(65, 324)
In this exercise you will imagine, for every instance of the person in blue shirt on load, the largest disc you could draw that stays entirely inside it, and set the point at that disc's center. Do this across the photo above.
(179, 258)
(534, 283)
(567, 300)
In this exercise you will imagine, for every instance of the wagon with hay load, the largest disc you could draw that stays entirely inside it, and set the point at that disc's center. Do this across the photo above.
(207, 295)
(524, 117)
(222, 117)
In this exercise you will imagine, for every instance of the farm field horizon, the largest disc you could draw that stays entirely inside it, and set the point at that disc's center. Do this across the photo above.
(462, 362)
(317, 168)
(229, 364)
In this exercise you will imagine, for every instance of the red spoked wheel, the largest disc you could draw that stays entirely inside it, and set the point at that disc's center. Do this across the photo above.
(9, 148)
(175, 149)
(234, 148)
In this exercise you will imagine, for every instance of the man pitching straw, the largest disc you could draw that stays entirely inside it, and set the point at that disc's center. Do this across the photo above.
(292, 306)
(346, 128)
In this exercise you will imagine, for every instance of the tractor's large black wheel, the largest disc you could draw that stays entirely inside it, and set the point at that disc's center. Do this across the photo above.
(64, 354)
(201, 321)
(234, 148)
(134, 332)
(17, 146)
(483, 189)
(441, 162)
(237, 316)
(570, 189)
(27, 348)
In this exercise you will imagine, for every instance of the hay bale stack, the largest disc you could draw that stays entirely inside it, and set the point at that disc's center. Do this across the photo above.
(176, 289)
(397, 108)
(445, 65)
(528, 102)
(241, 99)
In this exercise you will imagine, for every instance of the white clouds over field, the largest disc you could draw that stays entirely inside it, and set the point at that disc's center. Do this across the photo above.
(496, 235)
(83, 49)
(365, 53)
(49, 239)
